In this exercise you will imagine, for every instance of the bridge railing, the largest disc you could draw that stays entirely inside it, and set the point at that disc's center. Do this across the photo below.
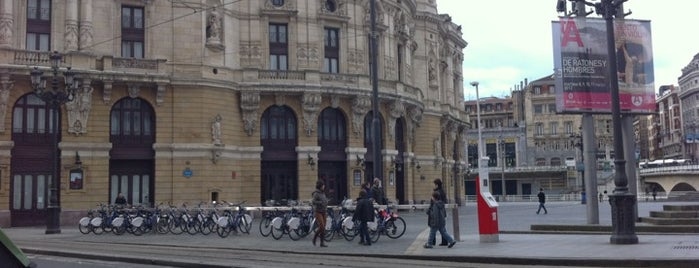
(670, 170)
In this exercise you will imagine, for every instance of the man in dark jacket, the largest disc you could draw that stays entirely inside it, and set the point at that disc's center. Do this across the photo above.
(364, 212)
(436, 220)
(542, 200)
(438, 187)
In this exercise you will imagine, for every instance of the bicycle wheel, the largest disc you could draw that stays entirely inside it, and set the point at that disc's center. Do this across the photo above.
(162, 225)
(395, 227)
(176, 226)
(278, 232)
(266, 226)
(350, 228)
(374, 231)
(223, 232)
(245, 224)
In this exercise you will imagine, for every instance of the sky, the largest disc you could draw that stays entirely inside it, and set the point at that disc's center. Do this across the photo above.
(510, 40)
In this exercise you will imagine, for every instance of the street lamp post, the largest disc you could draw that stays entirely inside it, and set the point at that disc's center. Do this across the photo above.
(480, 134)
(501, 147)
(622, 201)
(54, 97)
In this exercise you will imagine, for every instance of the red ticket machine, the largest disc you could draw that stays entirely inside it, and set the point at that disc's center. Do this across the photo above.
(487, 210)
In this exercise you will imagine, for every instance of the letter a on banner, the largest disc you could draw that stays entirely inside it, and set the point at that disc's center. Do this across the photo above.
(570, 33)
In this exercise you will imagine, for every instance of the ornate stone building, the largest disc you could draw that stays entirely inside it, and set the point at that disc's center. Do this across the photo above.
(199, 100)
(689, 101)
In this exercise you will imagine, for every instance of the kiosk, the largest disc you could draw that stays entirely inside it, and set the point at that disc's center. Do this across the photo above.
(487, 207)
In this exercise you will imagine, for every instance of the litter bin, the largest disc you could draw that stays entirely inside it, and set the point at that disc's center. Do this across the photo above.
(583, 198)
(10, 255)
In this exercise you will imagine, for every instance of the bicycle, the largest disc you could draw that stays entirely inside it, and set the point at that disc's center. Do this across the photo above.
(229, 222)
(386, 223)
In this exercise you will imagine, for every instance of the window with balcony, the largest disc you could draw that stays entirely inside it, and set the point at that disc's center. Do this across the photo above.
(332, 50)
(132, 32)
(278, 47)
(38, 25)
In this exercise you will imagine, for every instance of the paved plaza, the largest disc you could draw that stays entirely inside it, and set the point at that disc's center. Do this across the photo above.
(516, 244)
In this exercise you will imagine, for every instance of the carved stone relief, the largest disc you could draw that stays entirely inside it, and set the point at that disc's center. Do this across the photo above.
(389, 70)
(249, 104)
(79, 108)
(134, 90)
(6, 86)
(86, 34)
(360, 106)
(308, 55)
(250, 54)
(335, 101)
(6, 28)
(397, 111)
(107, 92)
(311, 106)
(415, 115)
(357, 61)
(71, 35)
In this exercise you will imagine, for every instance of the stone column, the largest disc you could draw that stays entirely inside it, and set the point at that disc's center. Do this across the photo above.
(6, 23)
(70, 36)
(85, 25)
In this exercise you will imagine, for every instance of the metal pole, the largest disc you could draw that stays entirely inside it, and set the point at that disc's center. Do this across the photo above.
(502, 174)
(375, 127)
(622, 202)
(589, 148)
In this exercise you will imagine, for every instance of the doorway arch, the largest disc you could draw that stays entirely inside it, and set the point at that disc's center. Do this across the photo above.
(278, 136)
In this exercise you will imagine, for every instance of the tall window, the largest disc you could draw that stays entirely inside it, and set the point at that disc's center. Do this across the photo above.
(132, 33)
(332, 50)
(539, 129)
(278, 47)
(38, 25)
(569, 127)
(554, 128)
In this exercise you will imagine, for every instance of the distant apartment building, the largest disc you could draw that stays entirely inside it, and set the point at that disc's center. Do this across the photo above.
(670, 137)
(689, 103)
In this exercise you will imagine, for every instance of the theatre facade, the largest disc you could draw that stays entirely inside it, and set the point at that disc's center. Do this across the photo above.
(182, 102)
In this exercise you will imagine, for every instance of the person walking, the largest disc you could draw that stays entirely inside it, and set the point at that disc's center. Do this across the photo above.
(542, 200)
(436, 220)
(364, 212)
(439, 188)
(320, 208)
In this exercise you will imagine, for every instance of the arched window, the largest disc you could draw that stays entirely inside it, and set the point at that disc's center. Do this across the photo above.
(332, 132)
(131, 122)
(278, 129)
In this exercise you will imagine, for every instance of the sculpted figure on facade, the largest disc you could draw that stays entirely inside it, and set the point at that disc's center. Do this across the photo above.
(311, 105)
(360, 106)
(5, 88)
(214, 27)
(397, 111)
(6, 28)
(216, 130)
(249, 104)
(79, 109)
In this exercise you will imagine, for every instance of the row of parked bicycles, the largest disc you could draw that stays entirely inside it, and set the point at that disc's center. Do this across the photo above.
(295, 221)
(222, 219)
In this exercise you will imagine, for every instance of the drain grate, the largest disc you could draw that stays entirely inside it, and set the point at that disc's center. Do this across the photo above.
(685, 245)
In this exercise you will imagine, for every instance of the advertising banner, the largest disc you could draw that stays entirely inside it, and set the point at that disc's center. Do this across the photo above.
(581, 65)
